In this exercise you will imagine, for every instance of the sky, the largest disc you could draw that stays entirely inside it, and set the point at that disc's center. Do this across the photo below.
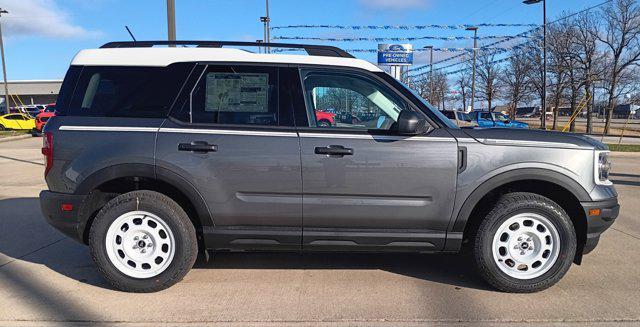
(42, 36)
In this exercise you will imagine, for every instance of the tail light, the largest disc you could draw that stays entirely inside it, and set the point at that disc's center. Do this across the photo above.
(47, 151)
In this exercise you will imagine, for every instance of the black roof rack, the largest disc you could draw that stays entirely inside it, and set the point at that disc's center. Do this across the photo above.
(312, 50)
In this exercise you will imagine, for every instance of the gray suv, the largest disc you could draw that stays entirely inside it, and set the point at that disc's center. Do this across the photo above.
(159, 154)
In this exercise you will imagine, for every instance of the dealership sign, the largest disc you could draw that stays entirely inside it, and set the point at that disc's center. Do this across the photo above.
(395, 54)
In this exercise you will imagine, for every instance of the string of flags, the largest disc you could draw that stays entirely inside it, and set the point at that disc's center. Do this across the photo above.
(414, 50)
(382, 39)
(401, 27)
(496, 51)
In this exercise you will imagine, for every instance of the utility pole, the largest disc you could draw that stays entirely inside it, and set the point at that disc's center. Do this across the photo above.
(4, 67)
(473, 75)
(171, 21)
(430, 47)
(267, 33)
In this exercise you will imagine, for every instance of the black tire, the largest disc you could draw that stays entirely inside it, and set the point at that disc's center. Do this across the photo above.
(324, 123)
(2, 127)
(508, 206)
(186, 248)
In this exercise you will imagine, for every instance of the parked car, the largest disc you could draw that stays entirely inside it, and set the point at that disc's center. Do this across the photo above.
(16, 122)
(461, 119)
(325, 119)
(44, 116)
(496, 119)
(189, 163)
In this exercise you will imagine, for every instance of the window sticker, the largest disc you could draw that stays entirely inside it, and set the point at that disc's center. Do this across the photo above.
(237, 92)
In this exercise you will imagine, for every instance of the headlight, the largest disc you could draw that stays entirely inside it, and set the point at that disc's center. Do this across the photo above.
(602, 167)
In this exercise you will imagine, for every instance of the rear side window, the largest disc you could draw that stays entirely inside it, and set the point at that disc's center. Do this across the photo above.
(142, 92)
(234, 95)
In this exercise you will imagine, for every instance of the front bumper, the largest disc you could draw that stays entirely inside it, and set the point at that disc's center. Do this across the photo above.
(69, 222)
(600, 216)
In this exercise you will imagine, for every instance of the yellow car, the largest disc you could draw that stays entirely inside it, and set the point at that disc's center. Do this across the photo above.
(17, 121)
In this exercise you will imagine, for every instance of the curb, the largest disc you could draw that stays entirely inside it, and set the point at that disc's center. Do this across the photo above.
(14, 138)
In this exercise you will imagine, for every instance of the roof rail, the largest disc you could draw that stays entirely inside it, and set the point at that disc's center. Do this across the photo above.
(312, 50)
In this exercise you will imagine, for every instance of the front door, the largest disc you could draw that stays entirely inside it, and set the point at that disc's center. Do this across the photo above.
(364, 186)
(233, 141)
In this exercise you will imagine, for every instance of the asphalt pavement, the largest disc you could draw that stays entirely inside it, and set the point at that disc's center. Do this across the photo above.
(49, 280)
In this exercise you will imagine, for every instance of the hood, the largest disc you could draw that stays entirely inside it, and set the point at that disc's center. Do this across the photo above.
(534, 138)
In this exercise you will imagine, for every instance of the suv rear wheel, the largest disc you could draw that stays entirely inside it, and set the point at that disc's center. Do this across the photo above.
(143, 241)
(525, 244)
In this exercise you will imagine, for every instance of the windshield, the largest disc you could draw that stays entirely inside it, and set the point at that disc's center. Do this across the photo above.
(501, 117)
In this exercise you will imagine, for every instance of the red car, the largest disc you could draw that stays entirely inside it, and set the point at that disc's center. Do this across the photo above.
(44, 115)
(325, 119)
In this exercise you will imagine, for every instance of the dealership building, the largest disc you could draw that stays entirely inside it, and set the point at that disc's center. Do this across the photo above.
(29, 92)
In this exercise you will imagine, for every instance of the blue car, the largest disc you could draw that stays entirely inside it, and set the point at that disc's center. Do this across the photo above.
(495, 119)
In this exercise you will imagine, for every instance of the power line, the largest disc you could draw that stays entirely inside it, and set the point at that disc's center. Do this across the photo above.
(502, 41)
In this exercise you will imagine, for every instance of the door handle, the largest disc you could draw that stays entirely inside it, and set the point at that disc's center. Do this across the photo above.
(334, 150)
(198, 147)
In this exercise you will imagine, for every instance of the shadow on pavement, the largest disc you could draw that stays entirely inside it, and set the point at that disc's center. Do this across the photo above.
(25, 236)
(22, 160)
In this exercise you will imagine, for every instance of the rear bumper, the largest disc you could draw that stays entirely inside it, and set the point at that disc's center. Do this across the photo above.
(66, 221)
(598, 223)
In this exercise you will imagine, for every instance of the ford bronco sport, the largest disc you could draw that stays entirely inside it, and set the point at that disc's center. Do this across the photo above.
(159, 154)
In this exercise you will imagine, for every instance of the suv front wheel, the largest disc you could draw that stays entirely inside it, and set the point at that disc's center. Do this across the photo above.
(143, 241)
(525, 244)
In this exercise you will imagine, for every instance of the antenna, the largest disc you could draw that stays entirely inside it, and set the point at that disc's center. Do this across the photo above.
(128, 30)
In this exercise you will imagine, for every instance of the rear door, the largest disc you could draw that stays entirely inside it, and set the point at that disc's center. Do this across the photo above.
(230, 137)
(364, 186)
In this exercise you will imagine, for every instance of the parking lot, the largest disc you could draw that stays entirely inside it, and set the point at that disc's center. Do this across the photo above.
(47, 279)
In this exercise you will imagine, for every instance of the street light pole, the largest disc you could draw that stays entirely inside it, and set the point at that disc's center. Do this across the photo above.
(543, 105)
(4, 67)
(473, 76)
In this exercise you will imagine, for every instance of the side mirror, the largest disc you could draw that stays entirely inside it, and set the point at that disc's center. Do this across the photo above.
(409, 123)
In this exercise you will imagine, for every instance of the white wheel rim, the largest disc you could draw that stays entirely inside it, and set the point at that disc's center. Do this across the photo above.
(526, 246)
(140, 244)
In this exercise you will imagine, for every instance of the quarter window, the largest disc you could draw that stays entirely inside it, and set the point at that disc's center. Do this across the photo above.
(344, 100)
(141, 92)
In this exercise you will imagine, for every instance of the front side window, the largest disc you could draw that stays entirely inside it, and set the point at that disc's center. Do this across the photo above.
(235, 95)
(344, 100)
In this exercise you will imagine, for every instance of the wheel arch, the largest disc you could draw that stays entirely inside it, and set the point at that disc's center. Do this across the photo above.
(106, 183)
(558, 187)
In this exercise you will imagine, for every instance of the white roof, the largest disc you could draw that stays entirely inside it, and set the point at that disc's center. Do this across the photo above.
(161, 57)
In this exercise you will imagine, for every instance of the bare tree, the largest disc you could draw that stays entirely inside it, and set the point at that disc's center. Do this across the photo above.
(463, 83)
(621, 33)
(515, 81)
(487, 74)
(421, 86)
(536, 73)
(558, 40)
(588, 59)
(440, 90)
